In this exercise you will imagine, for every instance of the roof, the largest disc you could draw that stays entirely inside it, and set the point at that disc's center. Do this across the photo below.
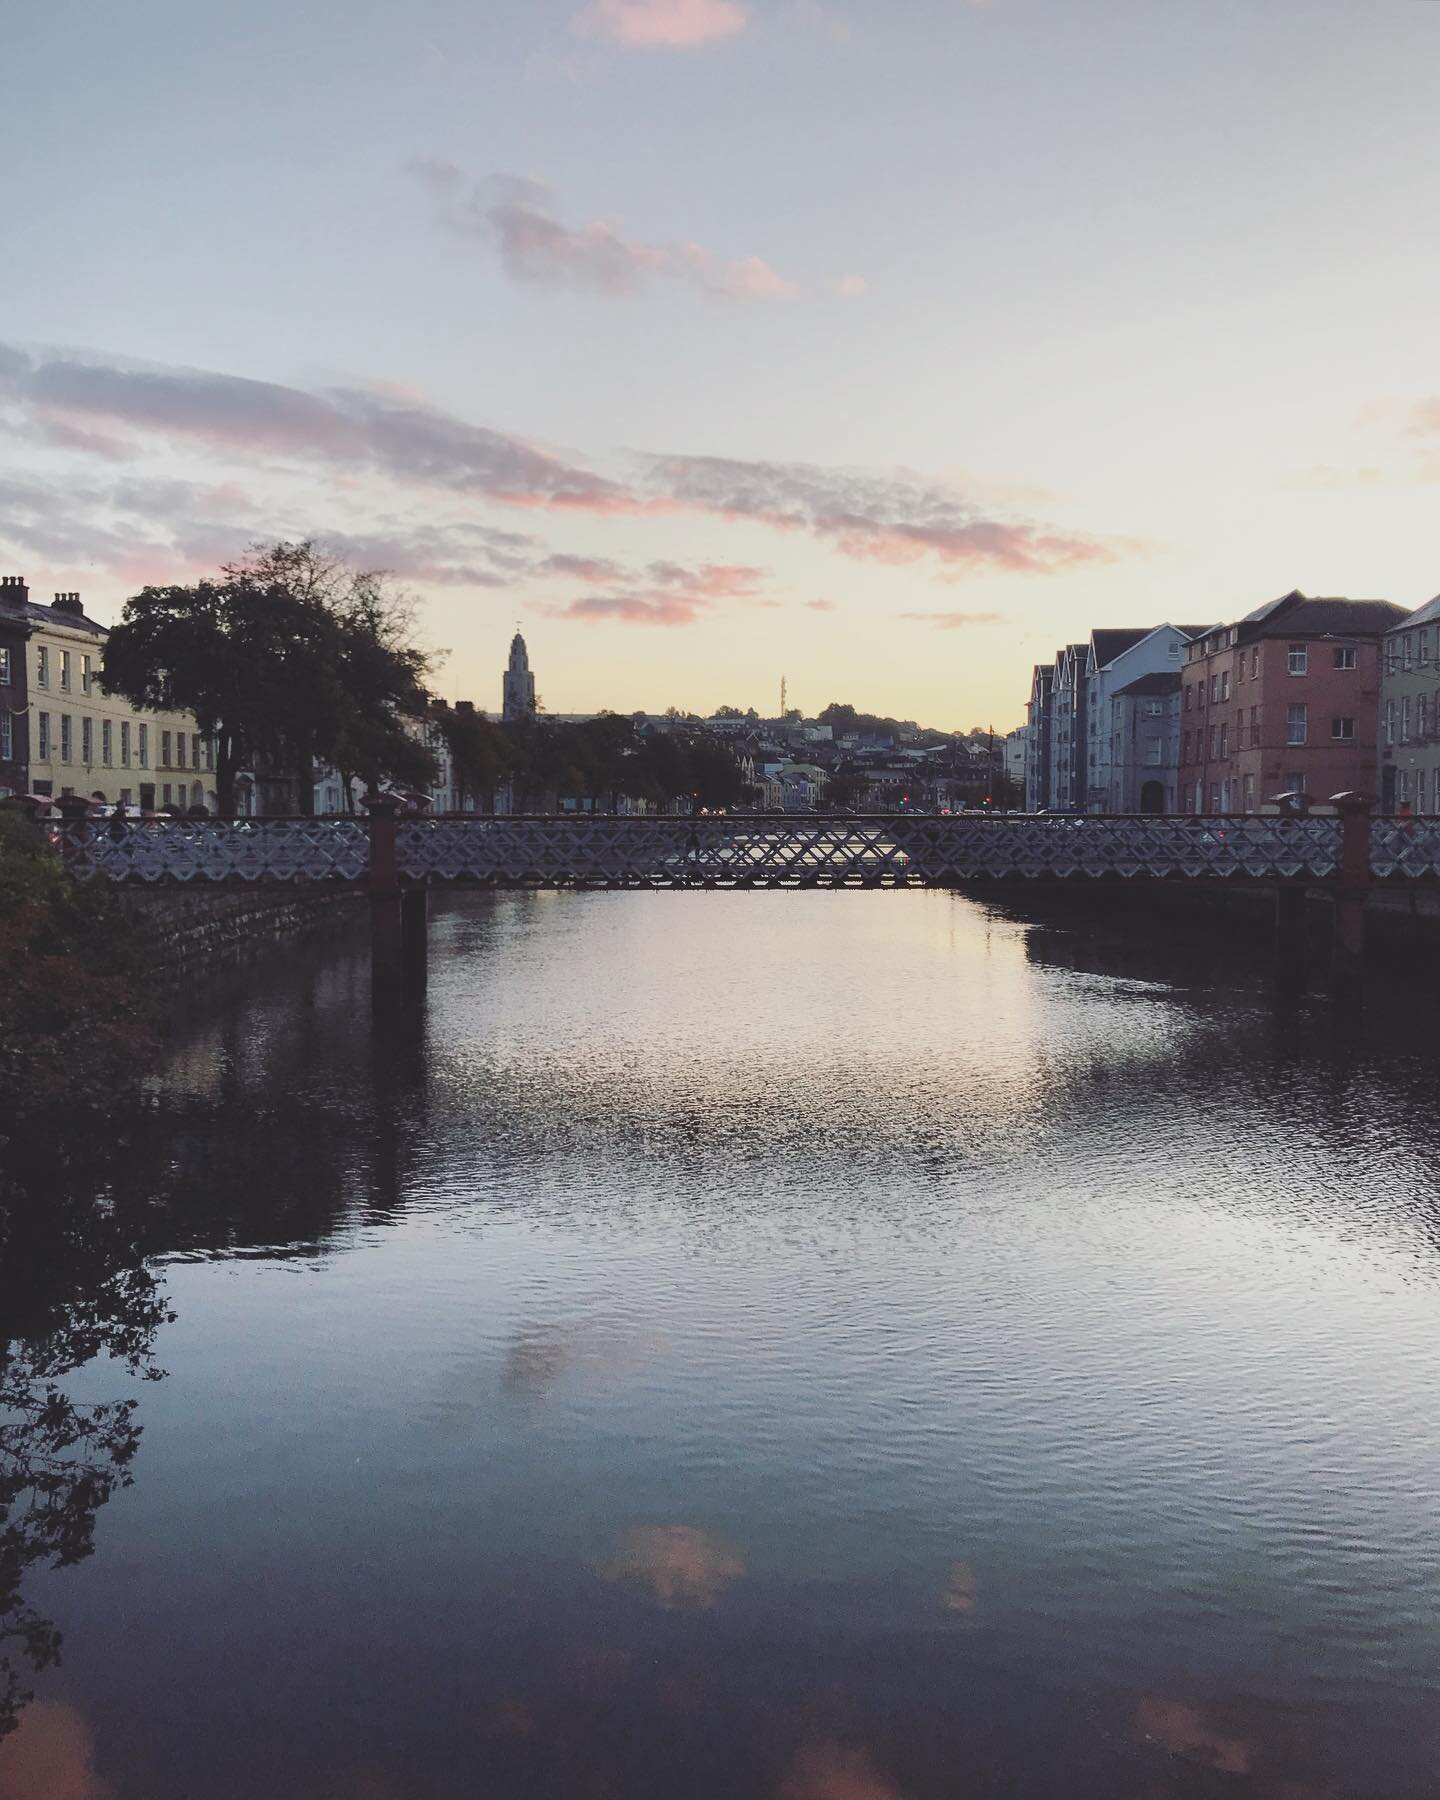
(1196, 631)
(1329, 617)
(1423, 615)
(51, 618)
(1163, 681)
(1110, 644)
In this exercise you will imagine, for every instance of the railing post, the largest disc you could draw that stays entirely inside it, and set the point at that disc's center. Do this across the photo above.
(1352, 884)
(398, 915)
(74, 831)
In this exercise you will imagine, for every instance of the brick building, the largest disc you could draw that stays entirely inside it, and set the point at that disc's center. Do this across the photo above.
(1409, 773)
(1287, 700)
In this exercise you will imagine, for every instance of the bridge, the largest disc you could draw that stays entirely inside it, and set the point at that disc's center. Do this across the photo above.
(399, 859)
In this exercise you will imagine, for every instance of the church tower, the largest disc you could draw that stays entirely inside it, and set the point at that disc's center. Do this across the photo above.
(519, 683)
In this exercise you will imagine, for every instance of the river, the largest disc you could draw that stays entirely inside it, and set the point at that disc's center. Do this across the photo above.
(858, 1346)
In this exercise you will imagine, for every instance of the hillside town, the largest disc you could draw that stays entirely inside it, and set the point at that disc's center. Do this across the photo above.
(65, 736)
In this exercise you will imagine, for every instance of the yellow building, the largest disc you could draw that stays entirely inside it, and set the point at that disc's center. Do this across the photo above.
(83, 741)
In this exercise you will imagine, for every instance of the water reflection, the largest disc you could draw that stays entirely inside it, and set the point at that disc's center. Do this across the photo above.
(678, 1565)
(73, 1291)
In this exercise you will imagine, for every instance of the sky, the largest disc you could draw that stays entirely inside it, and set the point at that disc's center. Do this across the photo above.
(880, 344)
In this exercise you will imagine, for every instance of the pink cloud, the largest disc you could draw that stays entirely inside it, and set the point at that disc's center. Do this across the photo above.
(662, 593)
(661, 24)
(953, 621)
(852, 287)
(518, 218)
(630, 609)
(1425, 416)
(821, 605)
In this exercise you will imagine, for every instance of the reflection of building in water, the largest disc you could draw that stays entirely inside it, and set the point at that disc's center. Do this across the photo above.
(519, 691)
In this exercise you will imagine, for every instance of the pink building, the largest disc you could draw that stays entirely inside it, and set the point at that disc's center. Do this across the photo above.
(1287, 700)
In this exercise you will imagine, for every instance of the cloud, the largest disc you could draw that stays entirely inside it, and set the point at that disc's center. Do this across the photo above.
(852, 287)
(894, 519)
(1425, 416)
(661, 24)
(953, 621)
(821, 605)
(340, 427)
(51, 1756)
(664, 593)
(353, 438)
(519, 219)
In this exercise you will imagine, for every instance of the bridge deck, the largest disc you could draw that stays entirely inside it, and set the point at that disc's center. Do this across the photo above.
(744, 851)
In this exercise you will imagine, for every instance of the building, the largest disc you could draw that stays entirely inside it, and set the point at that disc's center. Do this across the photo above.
(1285, 701)
(1409, 769)
(14, 686)
(1116, 661)
(77, 738)
(1037, 738)
(1067, 728)
(1143, 727)
(519, 683)
(1016, 759)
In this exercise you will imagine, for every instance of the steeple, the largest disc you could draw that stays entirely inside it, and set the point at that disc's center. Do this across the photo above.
(519, 684)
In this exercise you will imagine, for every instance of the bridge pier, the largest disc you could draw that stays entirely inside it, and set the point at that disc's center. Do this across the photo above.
(399, 917)
(1291, 946)
(1352, 887)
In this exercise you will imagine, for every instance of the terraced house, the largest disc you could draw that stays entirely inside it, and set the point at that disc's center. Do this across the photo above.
(68, 736)
(1286, 700)
(1409, 771)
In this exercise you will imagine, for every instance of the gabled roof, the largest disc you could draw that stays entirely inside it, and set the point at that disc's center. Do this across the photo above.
(1423, 615)
(1196, 631)
(1109, 644)
(1163, 681)
(1330, 617)
(53, 618)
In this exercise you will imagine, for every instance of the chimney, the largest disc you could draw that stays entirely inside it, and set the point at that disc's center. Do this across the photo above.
(465, 706)
(14, 595)
(68, 603)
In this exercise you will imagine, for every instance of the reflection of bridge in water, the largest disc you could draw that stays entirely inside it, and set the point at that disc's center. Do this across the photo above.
(398, 859)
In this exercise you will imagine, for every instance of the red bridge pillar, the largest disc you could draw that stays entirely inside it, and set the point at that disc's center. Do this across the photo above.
(399, 915)
(1352, 884)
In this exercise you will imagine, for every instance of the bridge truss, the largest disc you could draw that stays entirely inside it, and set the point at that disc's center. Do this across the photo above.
(741, 851)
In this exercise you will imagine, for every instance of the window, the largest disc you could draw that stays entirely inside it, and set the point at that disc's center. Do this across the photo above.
(1254, 727)
(1422, 656)
(1214, 740)
(4, 667)
(144, 746)
(1404, 718)
(64, 671)
(195, 750)
(1224, 684)
(42, 666)
(1298, 660)
(179, 749)
(1295, 724)
(85, 674)
(107, 742)
(1189, 694)
(164, 749)
(1407, 651)
(42, 737)
(1215, 797)
(1420, 790)
(167, 800)
(125, 794)
(1239, 670)
(1185, 748)
(1389, 721)
(1342, 730)
(1249, 793)
(1422, 717)
(1402, 786)
(1295, 782)
(1344, 656)
(87, 740)
(1199, 694)
(1154, 709)
(1155, 754)
(124, 743)
(1224, 740)
(67, 736)
(1214, 689)
(7, 737)
(209, 753)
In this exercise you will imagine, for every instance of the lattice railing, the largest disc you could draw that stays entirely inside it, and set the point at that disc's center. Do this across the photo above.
(740, 851)
(205, 850)
(1404, 847)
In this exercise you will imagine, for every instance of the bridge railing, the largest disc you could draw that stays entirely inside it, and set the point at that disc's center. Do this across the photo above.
(739, 850)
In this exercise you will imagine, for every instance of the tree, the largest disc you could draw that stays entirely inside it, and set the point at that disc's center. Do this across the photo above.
(479, 753)
(289, 656)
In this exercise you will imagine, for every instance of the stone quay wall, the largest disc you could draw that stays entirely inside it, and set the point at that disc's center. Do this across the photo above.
(205, 927)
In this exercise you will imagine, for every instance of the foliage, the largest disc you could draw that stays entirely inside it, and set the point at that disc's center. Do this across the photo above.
(288, 657)
(73, 1287)
(81, 1013)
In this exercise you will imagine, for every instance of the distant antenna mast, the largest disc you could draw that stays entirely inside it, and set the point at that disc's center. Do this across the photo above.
(784, 696)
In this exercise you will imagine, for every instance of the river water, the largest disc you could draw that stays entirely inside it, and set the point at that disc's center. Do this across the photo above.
(791, 1346)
